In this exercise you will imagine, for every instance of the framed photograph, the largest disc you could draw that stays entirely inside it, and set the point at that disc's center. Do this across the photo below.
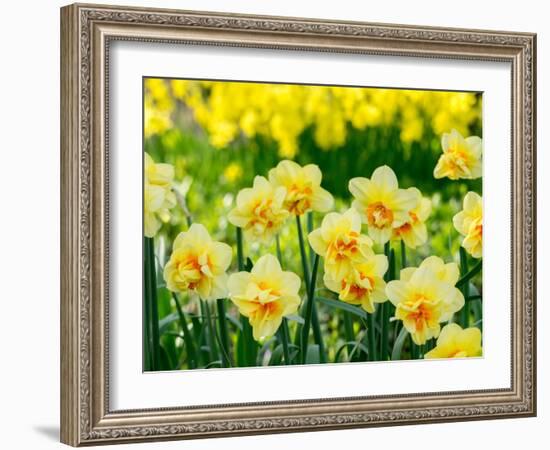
(276, 225)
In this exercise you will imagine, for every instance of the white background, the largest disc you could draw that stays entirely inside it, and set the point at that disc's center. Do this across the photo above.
(132, 389)
(29, 227)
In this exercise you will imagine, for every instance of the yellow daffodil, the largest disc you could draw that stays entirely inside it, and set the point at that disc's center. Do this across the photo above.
(469, 223)
(363, 284)
(260, 210)
(340, 242)
(198, 264)
(461, 157)
(454, 342)
(413, 231)
(382, 205)
(158, 197)
(265, 295)
(426, 296)
(303, 187)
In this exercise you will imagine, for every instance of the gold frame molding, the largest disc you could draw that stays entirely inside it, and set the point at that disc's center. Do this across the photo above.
(86, 33)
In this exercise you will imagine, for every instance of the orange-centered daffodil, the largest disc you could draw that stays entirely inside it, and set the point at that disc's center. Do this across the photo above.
(455, 342)
(413, 231)
(303, 187)
(426, 296)
(364, 284)
(340, 242)
(461, 157)
(265, 295)
(158, 197)
(260, 210)
(198, 264)
(382, 205)
(469, 223)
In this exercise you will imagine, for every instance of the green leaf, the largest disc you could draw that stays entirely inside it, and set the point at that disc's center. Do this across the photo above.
(211, 364)
(165, 322)
(343, 306)
(398, 345)
(276, 356)
(296, 318)
(354, 346)
(469, 275)
(312, 354)
(234, 321)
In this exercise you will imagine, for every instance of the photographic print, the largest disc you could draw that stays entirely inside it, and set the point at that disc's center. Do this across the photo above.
(289, 224)
(310, 196)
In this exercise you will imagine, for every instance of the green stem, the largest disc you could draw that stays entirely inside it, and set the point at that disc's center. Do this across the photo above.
(279, 252)
(348, 329)
(146, 307)
(385, 319)
(302, 249)
(285, 337)
(403, 255)
(192, 360)
(224, 335)
(284, 333)
(317, 335)
(414, 350)
(240, 253)
(151, 304)
(371, 340)
(463, 315)
(309, 226)
(211, 339)
(472, 273)
(309, 308)
(385, 307)
(249, 346)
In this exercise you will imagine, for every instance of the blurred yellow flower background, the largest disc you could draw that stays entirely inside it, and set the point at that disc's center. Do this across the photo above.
(284, 111)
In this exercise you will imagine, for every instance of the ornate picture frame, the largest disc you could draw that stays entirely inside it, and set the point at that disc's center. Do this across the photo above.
(87, 32)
